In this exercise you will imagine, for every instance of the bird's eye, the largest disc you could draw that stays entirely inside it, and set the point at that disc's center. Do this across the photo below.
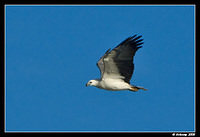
(90, 82)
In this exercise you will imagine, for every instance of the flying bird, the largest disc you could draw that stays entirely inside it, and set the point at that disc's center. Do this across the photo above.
(116, 66)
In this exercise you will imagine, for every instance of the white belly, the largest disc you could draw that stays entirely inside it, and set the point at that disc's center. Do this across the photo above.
(114, 85)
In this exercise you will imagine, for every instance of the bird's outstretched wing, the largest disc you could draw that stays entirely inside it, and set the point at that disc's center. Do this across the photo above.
(100, 63)
(118, 63)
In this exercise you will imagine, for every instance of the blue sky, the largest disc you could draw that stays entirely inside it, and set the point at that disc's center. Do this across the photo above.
(51, 53)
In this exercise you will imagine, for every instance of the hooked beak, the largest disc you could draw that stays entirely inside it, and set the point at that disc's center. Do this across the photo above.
(87, 85)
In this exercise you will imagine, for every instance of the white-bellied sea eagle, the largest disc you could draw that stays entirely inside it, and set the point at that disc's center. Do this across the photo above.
(116, 66)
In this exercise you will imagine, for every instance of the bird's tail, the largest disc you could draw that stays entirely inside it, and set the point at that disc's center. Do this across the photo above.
(136, 88)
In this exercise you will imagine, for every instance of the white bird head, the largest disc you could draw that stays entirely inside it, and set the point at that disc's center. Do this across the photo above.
(92, 83)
